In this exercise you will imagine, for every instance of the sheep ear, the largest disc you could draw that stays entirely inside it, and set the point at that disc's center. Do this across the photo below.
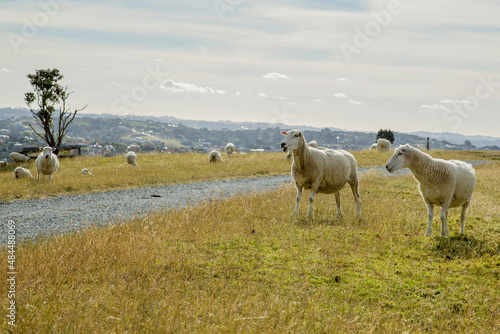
(53, 149)
(300, 134)
(41, 148)
(283, 133)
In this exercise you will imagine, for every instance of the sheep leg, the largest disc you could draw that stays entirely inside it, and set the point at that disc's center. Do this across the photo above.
(444, 223)
(462, 217)
(311, 200)
(357, 197)
(299, 196)
(430, 214)
(337, 200)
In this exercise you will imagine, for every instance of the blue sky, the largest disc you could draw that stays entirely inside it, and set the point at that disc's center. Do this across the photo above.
(356, 65)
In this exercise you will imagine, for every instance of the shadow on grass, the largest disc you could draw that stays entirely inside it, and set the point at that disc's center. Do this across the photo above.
(464, 247)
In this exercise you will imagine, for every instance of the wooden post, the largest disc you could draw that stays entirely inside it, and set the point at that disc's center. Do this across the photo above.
(427, 143)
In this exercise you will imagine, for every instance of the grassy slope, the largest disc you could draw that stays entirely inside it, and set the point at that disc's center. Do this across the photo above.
(243, 265)
(160, 169)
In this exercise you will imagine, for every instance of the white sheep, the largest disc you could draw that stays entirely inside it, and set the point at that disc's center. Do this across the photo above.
(21, 172)
(214, 156)
(3, 163)
(46, 163)
(383, 144)
(321, 170)
(18, 157)
(374, 146)
(445, 183)
(230, 148)
(86, 171)
(312, 143)
(131, 157)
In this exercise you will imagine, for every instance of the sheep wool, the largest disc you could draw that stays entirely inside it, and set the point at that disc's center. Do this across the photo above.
(46, 163)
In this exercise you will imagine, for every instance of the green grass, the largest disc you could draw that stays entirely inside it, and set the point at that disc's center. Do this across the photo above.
(242, 264)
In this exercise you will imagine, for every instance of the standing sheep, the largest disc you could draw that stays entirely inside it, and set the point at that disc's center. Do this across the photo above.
(374, 146)
(383, 144)
(214, 156)
(230, 148)
(21, 172)
(46, 163)
(131, 157)
(18, 157)
(321, 170)
(3, 163)
(445, 183)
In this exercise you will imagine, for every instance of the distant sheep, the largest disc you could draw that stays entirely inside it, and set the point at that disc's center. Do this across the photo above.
(3, 163)
(131, 157)
(321, 170)
(86, 171)
(18, 157)
(374, 147)
(312, 143)
(21, 172)
(383, 144)
(214, 156)
(445, 183)
(46, 163)
(230, 148)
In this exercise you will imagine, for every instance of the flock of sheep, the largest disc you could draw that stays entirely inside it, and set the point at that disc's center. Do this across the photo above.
(443, 183)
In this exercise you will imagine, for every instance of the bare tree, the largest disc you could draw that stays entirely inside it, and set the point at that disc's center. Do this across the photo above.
(49, 95)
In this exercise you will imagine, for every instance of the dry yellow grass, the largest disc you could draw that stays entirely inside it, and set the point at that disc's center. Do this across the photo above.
(243, 265)
(161, 169)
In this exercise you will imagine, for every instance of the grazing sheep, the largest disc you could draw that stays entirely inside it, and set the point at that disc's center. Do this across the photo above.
(374, 147)
(21, 172)
(321, 170)
(445, 183)
(383, 144)
(46, 163)
(3, 163)
(230, 148)
(214, 156)
(86, 171)
(18, 157)
(131, 157)
(312, 143)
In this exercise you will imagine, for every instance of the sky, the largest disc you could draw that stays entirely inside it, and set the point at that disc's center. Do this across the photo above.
(355, 65)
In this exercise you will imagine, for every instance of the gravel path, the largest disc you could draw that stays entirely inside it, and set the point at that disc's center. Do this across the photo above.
(68, 213)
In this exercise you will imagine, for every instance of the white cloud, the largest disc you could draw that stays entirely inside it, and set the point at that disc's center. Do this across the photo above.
(340, 95)
(280, 97)
(238, 93)
(355, 102)
(341, 79)
(317, 100)
(179, 87)
(434, 106)
(4, 70)
(275, 75)
(263, 95)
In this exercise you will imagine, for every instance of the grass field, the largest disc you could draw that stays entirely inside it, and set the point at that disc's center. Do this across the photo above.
(113, 173)
(244, 265)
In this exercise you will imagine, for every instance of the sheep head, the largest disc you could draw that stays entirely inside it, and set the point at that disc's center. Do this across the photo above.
(292, 140)
(399, 158)
(47, 151)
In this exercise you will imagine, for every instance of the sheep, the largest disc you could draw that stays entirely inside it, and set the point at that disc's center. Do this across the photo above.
(3, 163)
(383, 144)
(131, 157)
(21, 172)
(312, 143)
(374, 147)
(46, 163)
(445, 183)
(214, 156)
(86, 171)
(230, 148)
(321, 170)
(18, 157)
